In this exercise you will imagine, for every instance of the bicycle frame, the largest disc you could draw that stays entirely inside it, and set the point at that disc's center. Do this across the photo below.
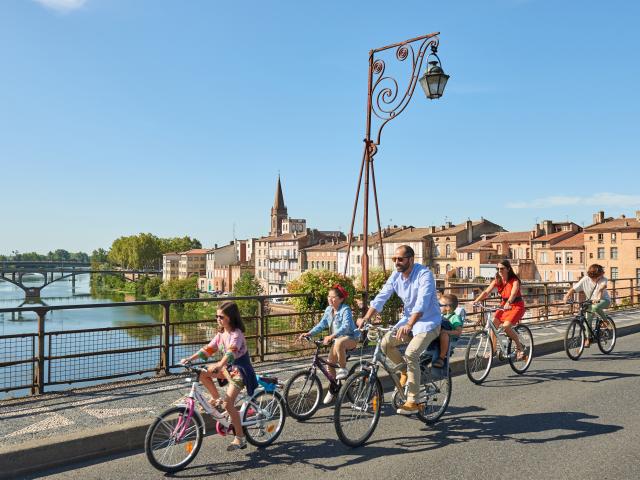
(497, 331)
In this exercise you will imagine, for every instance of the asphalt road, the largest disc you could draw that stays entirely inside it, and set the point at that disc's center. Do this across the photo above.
(562, 419)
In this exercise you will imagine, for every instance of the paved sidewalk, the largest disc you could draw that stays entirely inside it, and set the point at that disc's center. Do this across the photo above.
(63, 427)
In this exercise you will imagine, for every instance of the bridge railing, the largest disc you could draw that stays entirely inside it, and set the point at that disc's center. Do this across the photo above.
(44, 358)
(35, 360)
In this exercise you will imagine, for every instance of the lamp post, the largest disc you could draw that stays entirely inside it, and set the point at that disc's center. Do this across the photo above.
(385, 101)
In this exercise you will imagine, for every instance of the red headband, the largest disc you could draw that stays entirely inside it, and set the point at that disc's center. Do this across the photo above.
(342, 291)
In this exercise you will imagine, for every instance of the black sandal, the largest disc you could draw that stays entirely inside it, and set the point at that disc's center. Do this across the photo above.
(439, 363)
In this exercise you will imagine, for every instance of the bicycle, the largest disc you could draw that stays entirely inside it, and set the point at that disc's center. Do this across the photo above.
(303, 391)
(479, 353)
(175, 437)
(604, 333)
(360, 399)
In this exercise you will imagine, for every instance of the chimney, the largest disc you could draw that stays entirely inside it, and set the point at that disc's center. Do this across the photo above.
(449, 224)
(432, 228)
(598, 217)
(638, 215)
(469, 231)
(547, 227)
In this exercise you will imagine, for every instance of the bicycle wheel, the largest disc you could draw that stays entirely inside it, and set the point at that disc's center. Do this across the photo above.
(173, 440)
(302, 394)
(478, 357)
(606, 334)
(434, 395)
(265, 415)
(574, 339)
(356, 420)
(526, 339)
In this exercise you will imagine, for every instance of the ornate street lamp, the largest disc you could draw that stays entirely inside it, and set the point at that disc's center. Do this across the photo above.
(385, 101)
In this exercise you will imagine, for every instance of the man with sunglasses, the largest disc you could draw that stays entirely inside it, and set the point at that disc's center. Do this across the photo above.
(420, 322)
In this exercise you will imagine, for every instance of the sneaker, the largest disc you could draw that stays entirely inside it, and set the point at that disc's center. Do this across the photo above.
(328, 398)
(403, 378)
(342, 373)
(237, 446)
(409, 408)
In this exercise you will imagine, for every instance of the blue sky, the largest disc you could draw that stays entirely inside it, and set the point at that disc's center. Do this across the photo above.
(175, 117)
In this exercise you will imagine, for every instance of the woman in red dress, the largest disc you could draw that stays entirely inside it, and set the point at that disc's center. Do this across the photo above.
(508, 285)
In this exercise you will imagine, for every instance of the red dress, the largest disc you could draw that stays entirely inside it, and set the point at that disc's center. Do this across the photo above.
(517, 307)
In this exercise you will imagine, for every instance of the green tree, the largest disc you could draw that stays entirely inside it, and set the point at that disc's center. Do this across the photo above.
(377, 279)
(99, 256)
(316, 283)
(179, 244)
(179, 288)
(247, 285)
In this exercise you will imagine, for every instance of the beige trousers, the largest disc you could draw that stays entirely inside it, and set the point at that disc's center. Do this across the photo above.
(417, 345)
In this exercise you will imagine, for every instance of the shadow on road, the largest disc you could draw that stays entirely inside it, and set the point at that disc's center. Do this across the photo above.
(460, 426)
(533, 377)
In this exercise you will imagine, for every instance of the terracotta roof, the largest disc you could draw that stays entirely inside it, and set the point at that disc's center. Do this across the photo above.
(476, 246)
(576, 241)
(283, 237)
(552, 236)
(196, 251)
(327, 247)
(615, 224)
(411, 233)
(373, 238)
(456, 228)
(512, 237)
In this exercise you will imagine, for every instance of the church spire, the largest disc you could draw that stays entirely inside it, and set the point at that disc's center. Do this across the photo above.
(278, 211)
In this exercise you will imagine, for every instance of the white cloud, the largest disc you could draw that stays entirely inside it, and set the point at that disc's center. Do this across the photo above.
(596, 200)
(62, 5)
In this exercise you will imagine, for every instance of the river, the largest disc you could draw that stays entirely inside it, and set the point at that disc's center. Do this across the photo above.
(60, 293)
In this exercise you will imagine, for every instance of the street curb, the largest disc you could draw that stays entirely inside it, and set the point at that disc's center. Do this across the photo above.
(85, 445)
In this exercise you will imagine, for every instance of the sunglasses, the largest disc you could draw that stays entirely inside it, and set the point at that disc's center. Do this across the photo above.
(220, 317)
(398, 259)
(446, 305)
(502, 268)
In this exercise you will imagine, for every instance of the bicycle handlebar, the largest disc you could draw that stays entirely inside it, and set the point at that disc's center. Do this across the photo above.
(488, 309)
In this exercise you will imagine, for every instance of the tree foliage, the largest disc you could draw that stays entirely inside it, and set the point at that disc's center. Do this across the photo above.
(317, 283)
(59, 255)
(145, 250)
(377, 279)
(247, 285)
(179, 288)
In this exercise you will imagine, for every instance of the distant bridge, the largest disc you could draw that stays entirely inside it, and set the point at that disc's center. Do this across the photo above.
(30, 264)
(15, 276)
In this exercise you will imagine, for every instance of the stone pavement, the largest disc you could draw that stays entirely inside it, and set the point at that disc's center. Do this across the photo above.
(63, 427)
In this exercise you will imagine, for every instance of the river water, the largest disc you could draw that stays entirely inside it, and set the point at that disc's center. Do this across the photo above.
(61, 293)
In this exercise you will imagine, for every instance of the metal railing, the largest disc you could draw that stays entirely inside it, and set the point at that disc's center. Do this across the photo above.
(39, 359)
(35, 360)
(544, 300)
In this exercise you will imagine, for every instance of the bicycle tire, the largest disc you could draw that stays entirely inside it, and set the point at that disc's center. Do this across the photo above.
(607, 332)
(303, 400)
(161, 436)
(270, 412)
(574, 339)
(367, 395)
(526, 339)
(479, 350)
(437, 394)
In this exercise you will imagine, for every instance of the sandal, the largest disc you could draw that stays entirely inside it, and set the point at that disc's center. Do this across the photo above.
(242, 444)
(439, 363)
(216, 403)
(520, 355)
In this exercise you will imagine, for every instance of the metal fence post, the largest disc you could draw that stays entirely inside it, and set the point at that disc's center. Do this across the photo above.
(165, 361)
(546, 302)
(631, 292)
(613, 290)
(262, 341)
(38, 381)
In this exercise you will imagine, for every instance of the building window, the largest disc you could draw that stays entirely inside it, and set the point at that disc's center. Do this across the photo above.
(601, 238)
(469, 272)
(569, 257)
(581, 257)
(469, 256)
(614, 273)
(460, 272)
(637, 252)
(638, 274)
(614, 253)
(558, 258)
(601, 253)
(570, 276)
(613, 238)
(448, 250)
(543, 257)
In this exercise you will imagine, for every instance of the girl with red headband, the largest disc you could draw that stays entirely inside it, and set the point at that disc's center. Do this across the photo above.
(343, 332)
